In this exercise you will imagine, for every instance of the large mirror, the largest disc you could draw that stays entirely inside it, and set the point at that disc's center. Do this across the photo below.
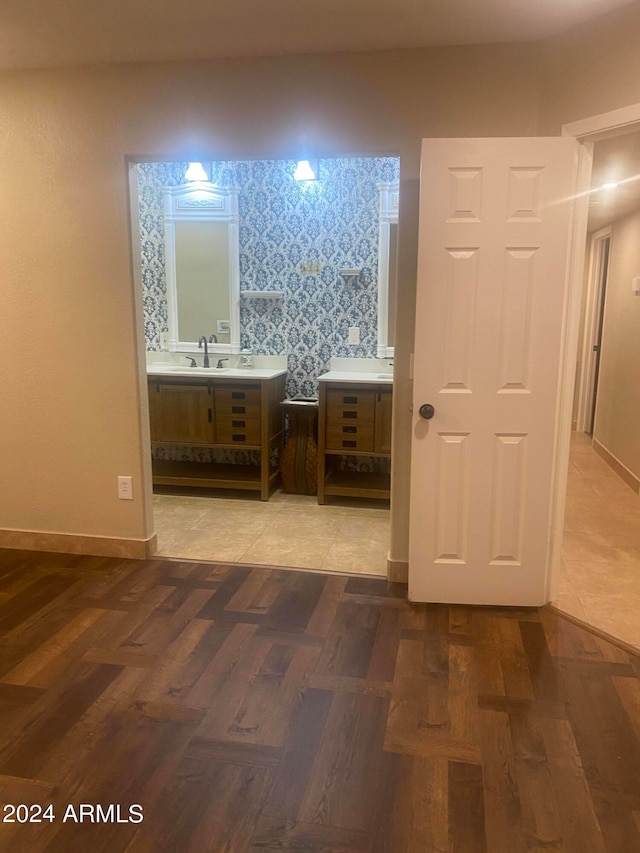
(389, 197)
(203, 266)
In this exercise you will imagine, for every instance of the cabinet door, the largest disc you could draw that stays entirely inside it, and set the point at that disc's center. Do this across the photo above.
(182, 414)
(384, 403)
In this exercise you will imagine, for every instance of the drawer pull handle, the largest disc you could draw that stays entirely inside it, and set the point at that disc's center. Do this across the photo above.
(238, 410)
(236, 437)
(237, 395)
(210, 415)
(349, 414)
(349, 429)
(349, 443)
(349, 399)
(238, 423)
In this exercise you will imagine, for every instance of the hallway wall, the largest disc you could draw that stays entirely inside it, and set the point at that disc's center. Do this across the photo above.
(618, 407)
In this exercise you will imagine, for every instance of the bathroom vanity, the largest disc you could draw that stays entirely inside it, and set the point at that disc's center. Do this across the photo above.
(354, 419)
(232, 409)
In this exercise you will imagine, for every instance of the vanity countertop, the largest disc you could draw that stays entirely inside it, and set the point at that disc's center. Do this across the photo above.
(215, 373)
(356, 376)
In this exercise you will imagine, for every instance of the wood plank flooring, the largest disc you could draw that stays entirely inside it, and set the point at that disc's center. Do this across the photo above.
(249, 709)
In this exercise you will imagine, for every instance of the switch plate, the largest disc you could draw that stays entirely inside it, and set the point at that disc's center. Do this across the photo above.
(354, 335)
(223, 327)
(125, 488)
(164, 340)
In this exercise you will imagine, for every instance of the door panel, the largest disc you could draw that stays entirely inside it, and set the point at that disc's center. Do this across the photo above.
(492, 277)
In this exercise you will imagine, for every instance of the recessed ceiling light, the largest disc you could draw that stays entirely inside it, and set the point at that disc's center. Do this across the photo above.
(610, 185)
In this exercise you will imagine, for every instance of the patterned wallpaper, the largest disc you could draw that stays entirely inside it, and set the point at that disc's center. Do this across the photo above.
(294, 237)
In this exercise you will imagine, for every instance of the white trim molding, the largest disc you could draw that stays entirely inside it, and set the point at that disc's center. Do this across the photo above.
(592, 310)
(389, 202)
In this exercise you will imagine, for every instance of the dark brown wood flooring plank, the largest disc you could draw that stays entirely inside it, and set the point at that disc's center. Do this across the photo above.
(542, 669)
(345, 787)
(14, 694)
(232, 752)
(351, 640)
(541, 821)
(466, 810)
(416, 817)
(578, 820)
(504, 823)
(33, 598)
(294, 772)
(223, 595)
(212, 807)
(272, 835)
(293, 608)
(375, 587)
(27, 756)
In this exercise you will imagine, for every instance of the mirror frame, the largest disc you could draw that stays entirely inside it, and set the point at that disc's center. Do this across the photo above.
(201, 201)
(389, 200)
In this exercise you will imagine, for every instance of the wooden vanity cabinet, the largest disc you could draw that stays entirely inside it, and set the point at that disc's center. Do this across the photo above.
(222, 413)
(180, 414)
(354, 420)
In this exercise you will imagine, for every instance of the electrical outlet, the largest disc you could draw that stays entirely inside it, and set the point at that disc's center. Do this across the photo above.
(223, 327)
(354, 335)
(164, 340)
(125, 488)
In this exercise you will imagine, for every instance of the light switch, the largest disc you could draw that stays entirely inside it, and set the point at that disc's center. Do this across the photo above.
(354, 335)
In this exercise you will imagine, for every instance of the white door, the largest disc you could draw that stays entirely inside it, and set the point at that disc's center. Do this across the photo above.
(495, 217)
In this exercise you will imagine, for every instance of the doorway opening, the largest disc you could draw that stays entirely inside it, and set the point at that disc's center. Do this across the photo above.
(600, 567)
(306, 301)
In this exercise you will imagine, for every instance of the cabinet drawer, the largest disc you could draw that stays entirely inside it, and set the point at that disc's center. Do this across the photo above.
(350, 436)
(237, 402)
(350, 405)
(238, 430)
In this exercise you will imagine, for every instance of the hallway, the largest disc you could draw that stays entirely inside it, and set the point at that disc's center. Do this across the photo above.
(600, 578)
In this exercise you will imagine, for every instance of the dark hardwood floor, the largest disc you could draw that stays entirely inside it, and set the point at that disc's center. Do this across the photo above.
(266, 710)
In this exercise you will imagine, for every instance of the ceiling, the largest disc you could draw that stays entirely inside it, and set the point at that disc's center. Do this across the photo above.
(42, 33)
(616, 159)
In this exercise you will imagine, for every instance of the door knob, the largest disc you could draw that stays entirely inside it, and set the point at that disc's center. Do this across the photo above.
(426, 411)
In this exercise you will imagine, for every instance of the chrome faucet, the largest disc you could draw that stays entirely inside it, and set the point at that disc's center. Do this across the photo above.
(203, 340)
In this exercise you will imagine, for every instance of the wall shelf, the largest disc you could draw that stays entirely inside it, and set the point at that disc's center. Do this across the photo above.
(262, 294)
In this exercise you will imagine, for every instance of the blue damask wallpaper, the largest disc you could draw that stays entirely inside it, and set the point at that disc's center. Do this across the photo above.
(294, 237)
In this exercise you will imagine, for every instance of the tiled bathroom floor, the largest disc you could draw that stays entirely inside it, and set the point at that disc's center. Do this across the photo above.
(600, 578)
(288, 530)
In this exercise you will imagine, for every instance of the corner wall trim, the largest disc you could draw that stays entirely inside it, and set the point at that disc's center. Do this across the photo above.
(397, 571)
(621, 470)
(71, 543)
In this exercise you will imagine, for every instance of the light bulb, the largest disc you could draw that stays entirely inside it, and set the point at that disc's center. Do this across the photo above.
(196, 172)
(304, 171)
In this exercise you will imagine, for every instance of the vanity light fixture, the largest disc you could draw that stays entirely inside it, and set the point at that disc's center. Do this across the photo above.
(196, 172)
(306, 170)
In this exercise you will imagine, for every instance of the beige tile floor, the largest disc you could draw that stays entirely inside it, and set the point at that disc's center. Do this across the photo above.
(600, 575)
(288, 530)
